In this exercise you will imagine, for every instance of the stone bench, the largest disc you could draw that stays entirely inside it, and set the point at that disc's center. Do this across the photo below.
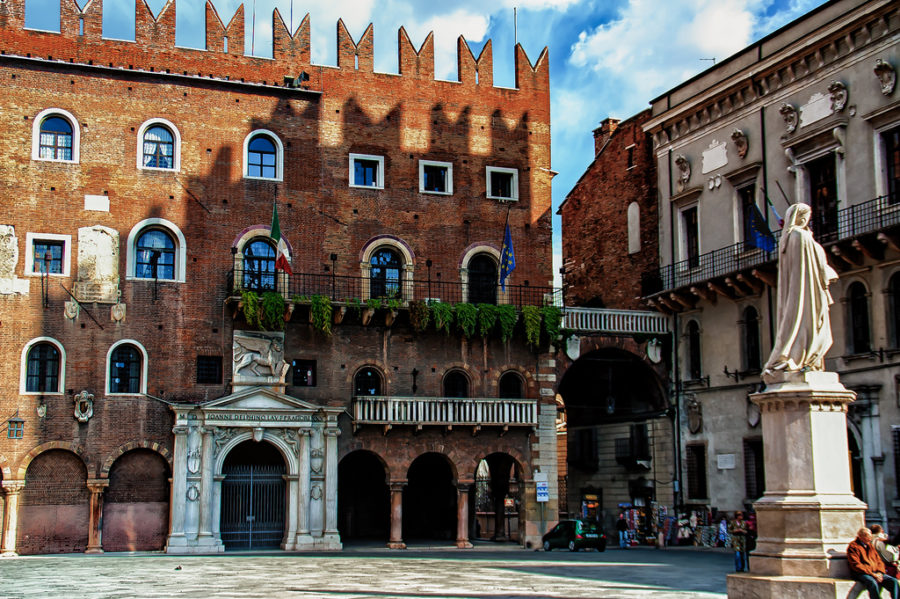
(755, 586)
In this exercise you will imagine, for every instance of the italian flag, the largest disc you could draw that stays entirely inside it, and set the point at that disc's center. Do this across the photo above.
(282, 255)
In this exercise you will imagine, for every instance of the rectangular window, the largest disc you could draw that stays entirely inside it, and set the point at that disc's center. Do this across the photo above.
(747, 197)
(630, 157)
(367, 171)
(47, 253)
(892, 163)
(15, 428)
(502, 183)
(696, 471)
(824, 200)
(754, 468)
(435, 177)
(304, 373)
(691, 236)
(209, 370)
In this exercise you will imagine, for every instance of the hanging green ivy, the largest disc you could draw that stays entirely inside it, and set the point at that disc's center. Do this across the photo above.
(532, 317)
(321, 310)
(393, 304)
(354, 305)
(419, 315)
(443, 316)
(487, 318)
(251, 307)
(466, 318)
(508, 317)
(552, 321)
(271, 316)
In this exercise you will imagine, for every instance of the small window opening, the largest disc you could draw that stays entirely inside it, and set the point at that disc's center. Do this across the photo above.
(356, 62)
(476, 76)
(15, 428)
(80, 25)
(304, 373)
(209, 370)
(225, 44)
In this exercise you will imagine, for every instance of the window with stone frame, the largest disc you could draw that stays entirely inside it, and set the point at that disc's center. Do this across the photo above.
(56, 138)
(42, 369)
(823, 196)
(891, 141)
(125, 369)
(750, 337)
(304, 373)
(858, 308)
(48, 256)
(690, 228)
(368, 382)
(695, 457)
(456, 384)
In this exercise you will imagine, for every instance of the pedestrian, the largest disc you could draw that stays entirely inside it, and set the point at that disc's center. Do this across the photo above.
(722, 536)
(866, 566)
(622, 528)
(889, 553)
(739, 531)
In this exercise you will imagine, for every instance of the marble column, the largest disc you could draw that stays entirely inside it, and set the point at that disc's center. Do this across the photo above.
(462, 516)
(207, 465)
(95, 525)
(177, 540)
(331, 486)
(303, 489)
(194, 498)
(12, 489)
(396, 541)
(217, 508)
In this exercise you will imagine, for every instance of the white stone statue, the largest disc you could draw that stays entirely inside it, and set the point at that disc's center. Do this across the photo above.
(803, 333)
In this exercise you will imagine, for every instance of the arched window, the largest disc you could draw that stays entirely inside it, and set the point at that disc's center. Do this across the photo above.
(693, 353)
(42, 369)
(894, 308)
(511, 386)
(860, 339)
(56, 140)
(259, 266)
(456, 384)
(367, 382)
(385, 274)
(263, 156)
(158, 148)
(155, 255)
(482, 280)
(126, 368)
(751, 339)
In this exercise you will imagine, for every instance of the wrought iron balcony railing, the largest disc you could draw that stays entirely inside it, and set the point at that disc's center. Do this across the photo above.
(340, 288)
(444, 411)
(869, 217)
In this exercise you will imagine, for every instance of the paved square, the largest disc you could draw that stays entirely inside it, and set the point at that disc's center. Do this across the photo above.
(671, 574)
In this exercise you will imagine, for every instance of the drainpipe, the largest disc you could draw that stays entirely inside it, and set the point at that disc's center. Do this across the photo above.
(675, 366)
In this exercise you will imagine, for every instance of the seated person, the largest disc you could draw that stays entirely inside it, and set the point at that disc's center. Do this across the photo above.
(867, 568)
(889, 554)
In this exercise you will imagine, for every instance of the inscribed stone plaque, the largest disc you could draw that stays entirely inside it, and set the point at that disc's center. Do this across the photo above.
(818, 107)
(715, 156)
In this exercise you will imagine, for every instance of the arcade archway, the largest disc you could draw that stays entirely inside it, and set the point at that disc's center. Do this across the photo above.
(136, 503)
(497, 498)
(429, 500)
(253, 497)
(364, 504)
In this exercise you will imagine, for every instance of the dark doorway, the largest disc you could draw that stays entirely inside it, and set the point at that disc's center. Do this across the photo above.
(364, 509)
(497, 499)
(482, 280)
(429, 500)
(253, 497)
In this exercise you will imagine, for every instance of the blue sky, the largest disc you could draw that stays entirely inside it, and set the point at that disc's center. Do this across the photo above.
(607, 57)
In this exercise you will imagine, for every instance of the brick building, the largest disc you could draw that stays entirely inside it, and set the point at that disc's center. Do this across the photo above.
(156, 369)
(613, 376)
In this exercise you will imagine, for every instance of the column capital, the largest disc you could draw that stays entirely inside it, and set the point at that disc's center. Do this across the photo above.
(12, 487)
(398, 485)
(332, 432)
(97, 485)
(180, 429)
(304, 432)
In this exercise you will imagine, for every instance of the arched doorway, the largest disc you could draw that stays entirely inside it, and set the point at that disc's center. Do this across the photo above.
(497, 498)
(54, 511)
(136, 503)
(429, 500)
(253, 497)
(364, 509)
(856, 465)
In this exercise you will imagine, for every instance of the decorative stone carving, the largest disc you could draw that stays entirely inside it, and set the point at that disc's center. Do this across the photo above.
(71, 310)
(290, 437)
(789, 152)
(9, 257)
(193, 493)
(715, 156)
(839, 95)
(223, 436)
(740, 142)
(839, 136)
(98, 265)
(684, 170)
(258, 433)
(753, 415)
(316, 492)
(695, 415)
(316, 460)
(887, 76)
(193, 461)
(84, 406)
(42, 410)
(790, 116)
(117, 312)
(259, 358)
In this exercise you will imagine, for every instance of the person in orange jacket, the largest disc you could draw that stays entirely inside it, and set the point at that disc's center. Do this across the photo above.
(867, 568)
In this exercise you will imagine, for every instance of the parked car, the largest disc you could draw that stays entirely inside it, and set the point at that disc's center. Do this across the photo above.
(575, 535)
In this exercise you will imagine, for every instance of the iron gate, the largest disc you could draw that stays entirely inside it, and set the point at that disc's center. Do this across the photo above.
(253, 506)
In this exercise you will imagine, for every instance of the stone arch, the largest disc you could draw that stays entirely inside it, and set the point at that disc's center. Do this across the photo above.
(38, 450)
(463, 367)
(518, 457)
(142, 444)
(287, 453)
(454, 458)
(377, 364)
(396, 243)
(5, 470)
(494, 375)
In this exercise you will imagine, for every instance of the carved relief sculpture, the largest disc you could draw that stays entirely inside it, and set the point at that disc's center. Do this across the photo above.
(803, 332)
(886, 75)
(684, 169)
(71, 309)
(98, 265)
(740, 142)
(193, 461)
(790, 116)
(695, 415)
(9, 257)
(117, 312)
(259, 358)
(839, 95)
(84, 406)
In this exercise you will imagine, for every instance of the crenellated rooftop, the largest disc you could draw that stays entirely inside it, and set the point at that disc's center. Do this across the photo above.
(80, 41)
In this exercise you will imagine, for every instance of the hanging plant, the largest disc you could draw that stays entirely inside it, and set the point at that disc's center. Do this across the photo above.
(419, 315)
(443, 316)
(354, 305)
(321, 310)
(393, 304)
(487, 318)
(271, 316)
(251, 307)
(552, 321)
(508, 317)
(373, 303)
(532, 317)
(466, 318)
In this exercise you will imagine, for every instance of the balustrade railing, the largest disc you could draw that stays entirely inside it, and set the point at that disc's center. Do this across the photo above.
(444, 411)
(604, 320)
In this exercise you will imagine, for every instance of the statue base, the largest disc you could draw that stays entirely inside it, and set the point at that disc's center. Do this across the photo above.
(752, 586)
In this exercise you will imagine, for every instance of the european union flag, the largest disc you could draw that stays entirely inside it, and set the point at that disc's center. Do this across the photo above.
(507, 258)
(758, 234)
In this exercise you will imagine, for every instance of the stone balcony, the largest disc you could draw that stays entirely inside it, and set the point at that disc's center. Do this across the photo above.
(446, 412)
(614, 322)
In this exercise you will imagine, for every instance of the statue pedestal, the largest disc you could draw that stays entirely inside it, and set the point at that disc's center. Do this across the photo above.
(807, 516)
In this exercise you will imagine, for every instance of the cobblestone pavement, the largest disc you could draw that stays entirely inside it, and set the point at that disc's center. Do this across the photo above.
(412, 574)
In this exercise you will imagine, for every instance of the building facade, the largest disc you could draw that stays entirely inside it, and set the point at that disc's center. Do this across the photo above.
(807, 114)
(253, 302)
